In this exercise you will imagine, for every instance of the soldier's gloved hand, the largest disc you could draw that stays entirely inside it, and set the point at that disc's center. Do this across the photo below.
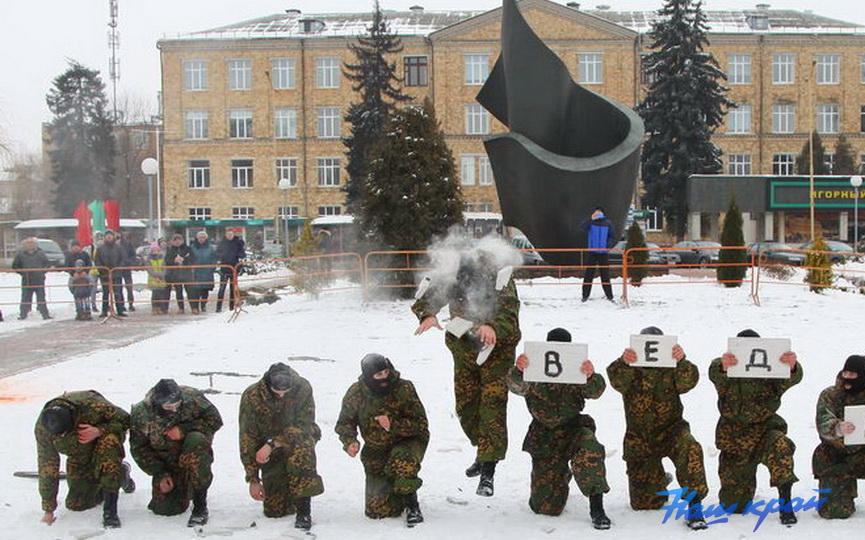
(587, 368)
(487, 335)
(256, 490)
(728, 360)
(174, 433)
(629, 356)
(427, 323)
(678, 353)
(789, 357)
(522, 362)
(48, 518)
(166, 484)
(87, 433)
(352, 449)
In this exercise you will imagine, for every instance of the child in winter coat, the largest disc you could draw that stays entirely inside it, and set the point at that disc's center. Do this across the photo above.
(80, 285)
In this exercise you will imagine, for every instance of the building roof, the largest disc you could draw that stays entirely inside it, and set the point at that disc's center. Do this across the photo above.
(70, 223)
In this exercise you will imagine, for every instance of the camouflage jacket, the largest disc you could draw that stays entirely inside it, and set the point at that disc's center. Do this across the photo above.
(504, 317)
(830, 413)
(150, 447)
(401, 405)
(89, 407)
(264, 415)
(651, 395)
(555, 405)
(751, 401)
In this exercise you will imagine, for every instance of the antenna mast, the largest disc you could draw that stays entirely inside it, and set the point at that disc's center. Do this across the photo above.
(114, 61)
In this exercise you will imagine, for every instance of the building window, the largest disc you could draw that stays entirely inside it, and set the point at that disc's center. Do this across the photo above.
(242, 212)
(416, 70)
(327, 72)
(477, 120)
(468, 176)
(478, 207)
(590, 68)
(329, 210)
(485, 171)
(199, 174)
(199, 213)
(783, 118)
(240, 124)
(328, 171)
(194, 75)
(477, 68)
(740, 69)
(285, 123)
(196, 125)
(829, 161)
(241, 173)
(783, 68)
(288, 212)
(861, 163)
(740, 119)
(783, 164)
(286, 169)
(861, 118)
(828, 68)
(739, 164)
(828, 118)
(476, 169)
(240, 74)
(646, 78)
(282, 73)
(328, 122)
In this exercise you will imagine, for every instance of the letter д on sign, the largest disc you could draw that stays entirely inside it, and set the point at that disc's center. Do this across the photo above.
(654, 351)
(555, 362)
(759, 358)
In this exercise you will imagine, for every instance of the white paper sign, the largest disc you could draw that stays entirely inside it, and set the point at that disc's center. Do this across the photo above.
(855, 414)
(555, 362)
(654, 351)
(458, 326)
(485, 352)
(503, 277)
(759, 358)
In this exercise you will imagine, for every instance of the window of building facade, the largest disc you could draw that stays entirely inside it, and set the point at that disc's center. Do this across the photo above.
(828, 68)
(240, 124)
(328, 121)
(740, 119)
(485, 171)
(286, 168)
(477, 120)
(477, 68)
(476, 169)
(240, 74)
(740, 69)
(739, 164)
(329, 210)
(285, 123)
(241, 173)
(199, 174)
(194, 75)
(783, 68)
(478, 207)
(416, 70)
(328, 171)
(327, 72)
(783, 118)
(199, 213)
(288, 212)
(828, 118)
(646, 78)
(783, 164)
(242, 212)
(282, 73)
(196, 125)
(590, 68)
(862, 69)
(861, 118)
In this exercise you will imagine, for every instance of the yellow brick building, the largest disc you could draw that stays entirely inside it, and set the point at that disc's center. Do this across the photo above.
(253, 103)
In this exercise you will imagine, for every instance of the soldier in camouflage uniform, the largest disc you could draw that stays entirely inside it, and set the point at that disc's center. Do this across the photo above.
(90, 431)
(481, 390)
(835, 465)
(171, 439)
(278, 434)
(751, 432)
(393, 424)
(559, 434)
(656, 429)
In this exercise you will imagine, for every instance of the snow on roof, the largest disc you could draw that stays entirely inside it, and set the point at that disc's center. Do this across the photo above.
(334, 220)
(70, 223)
(481, 215)
(780, 21)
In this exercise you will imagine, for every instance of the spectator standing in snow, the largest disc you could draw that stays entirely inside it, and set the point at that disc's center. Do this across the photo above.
(601, 235)
(229, 252)
(31, 262)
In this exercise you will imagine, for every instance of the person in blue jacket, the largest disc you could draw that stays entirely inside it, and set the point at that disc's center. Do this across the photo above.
(601, 237)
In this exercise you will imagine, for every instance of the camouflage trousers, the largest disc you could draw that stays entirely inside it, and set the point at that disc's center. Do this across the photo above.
(93, 471)
(646, 475)
(744, 448)
(391, 474)
(290, 474)
(838, 470)
(188, 463)
(482, 398)
(551, 473)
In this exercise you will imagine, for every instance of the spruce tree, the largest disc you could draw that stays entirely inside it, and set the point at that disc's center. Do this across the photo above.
(845, 158)
(81, 138)
(732, 263)
(637, 269)
(819, 275)
(375, 79)
(804, 158)
(683, 107)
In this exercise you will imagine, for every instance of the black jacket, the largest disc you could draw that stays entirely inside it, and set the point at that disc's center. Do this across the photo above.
(30, 260)
(230, 251)
(72, 258)
(174, 271)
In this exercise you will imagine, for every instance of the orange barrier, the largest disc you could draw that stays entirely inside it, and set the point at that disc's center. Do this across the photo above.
(45, 289)
(309, 273)
(772, 270)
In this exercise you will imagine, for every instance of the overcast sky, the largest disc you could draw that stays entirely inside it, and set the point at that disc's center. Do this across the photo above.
(38, 36)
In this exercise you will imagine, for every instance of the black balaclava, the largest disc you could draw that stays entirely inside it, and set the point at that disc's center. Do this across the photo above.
(166, 391)
(651, 331)
(856, 364)
(559, 334)
(57, 419)
(747, 333)
(279, 377)
(372, 364)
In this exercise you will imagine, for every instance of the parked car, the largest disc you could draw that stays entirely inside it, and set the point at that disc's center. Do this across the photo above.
(775, 253)
(656, 257)
(52, 251)
(697, 252)
(841, 252)
(530, 258)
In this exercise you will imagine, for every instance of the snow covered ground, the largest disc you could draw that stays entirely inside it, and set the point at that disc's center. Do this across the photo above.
(324, 340)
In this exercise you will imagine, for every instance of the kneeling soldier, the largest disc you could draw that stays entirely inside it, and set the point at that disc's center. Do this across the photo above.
(278, 434)
(393, 424)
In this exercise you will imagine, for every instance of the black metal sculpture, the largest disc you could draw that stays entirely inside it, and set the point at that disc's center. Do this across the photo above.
(568, 149)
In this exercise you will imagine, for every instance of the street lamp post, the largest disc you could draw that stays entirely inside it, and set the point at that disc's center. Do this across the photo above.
(856, 181)
(284, 185)
(150, 167)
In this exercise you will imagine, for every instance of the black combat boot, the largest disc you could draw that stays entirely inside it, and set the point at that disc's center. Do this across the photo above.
(695, 520)
(600, 520)
(303, 519)
(787, 518)
(127, 484)
(413, 515)
(474, 469)
(109, 510)
(199, 508)
(485, 486)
